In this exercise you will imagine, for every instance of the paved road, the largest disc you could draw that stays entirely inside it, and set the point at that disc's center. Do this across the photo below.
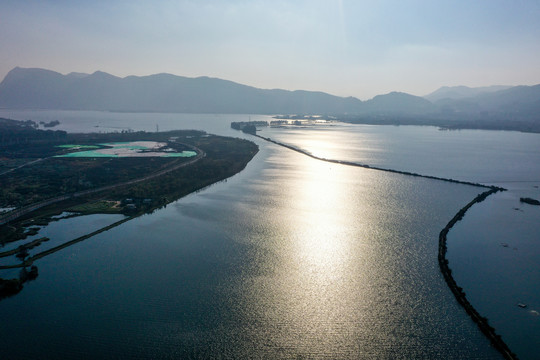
(12, 215)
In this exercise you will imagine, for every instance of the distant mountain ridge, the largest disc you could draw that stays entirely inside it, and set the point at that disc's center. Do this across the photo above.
(35, 88)
(495, 107)
(45, 89)
(462, 92)
(398, 102)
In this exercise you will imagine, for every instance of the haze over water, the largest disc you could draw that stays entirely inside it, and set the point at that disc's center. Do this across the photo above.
(293, 257)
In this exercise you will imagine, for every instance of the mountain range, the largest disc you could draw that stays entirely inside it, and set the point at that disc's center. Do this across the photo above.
(498, 107)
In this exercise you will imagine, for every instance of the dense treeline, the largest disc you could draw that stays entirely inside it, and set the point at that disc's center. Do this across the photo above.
(454, 122)
(26, 132)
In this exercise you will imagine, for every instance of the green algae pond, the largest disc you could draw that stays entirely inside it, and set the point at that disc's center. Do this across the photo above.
(125, 149)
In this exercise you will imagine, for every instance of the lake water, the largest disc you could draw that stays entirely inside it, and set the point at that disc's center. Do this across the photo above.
(495, 256)
(495, 277)
(488, 157)
(291, 258)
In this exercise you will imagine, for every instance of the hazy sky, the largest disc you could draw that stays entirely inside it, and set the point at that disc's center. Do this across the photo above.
(344, 47)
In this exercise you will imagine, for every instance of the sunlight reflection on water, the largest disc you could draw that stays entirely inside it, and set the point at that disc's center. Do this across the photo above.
(292, 258)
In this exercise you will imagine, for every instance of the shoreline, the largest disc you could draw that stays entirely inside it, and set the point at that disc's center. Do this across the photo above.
(215, 166)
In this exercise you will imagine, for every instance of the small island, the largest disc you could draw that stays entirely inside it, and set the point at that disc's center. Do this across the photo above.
(49, 124)
(248, 127)
(529, 201)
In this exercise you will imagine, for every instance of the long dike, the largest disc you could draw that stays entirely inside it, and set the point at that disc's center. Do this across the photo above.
(351, 163)
(30, 260)
(458, 292)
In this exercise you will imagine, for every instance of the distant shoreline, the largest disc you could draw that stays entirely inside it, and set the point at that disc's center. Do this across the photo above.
(524, 127)
(496, 108)
(450, 123)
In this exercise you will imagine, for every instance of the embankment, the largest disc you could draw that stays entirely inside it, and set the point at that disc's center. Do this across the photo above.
(40, 255)
(458, 292)
(27, 246)
(350, 163)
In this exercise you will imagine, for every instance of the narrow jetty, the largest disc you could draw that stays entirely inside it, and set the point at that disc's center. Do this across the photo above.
(31, 259)
(458, 292)
(23, 247)
(351, 163)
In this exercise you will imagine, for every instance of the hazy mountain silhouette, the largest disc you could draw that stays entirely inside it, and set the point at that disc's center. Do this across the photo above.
(460, 107)
(462, 92)
(515, 102)
(398, 103)
(496, 107)
(44, 89)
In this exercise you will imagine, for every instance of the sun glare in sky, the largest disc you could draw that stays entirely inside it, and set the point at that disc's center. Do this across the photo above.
(347, 48)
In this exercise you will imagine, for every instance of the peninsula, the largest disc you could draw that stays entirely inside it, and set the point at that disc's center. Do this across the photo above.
(45, 173)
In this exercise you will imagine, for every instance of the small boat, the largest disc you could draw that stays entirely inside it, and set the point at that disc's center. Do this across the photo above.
(521, 305)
